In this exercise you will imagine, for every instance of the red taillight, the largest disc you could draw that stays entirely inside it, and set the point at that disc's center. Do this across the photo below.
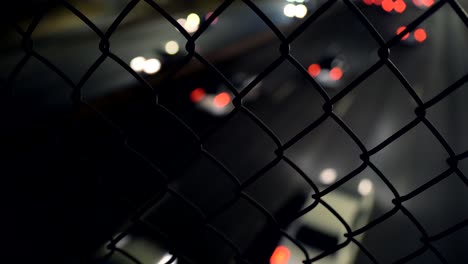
(417, 3)
(197, 95)
(420, 35)
(399, 6)
(378, 2)
(281, 255)
(314, 70)
(399, 30)
(336, 73)
(368, 2)
(427, 3)
(388, 5)
(222, 99)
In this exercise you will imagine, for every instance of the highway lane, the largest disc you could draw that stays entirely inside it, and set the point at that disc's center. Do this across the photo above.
(376, 110)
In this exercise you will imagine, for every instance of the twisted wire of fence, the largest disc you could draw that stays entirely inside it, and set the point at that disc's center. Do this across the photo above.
(427, 239)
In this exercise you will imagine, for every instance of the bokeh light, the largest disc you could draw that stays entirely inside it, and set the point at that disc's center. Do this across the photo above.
(152, 66)
(336, 73)
(166, 259)
(182, 21)
(193, 20)
(314, 70)
(281, 255)
(138, 63)
(378, 2)
(221, 100)
(420, 35)
(365, 187)
(300, 11)
(400, 29)
(192, 23)
(289, 10)
(197, 95)
(428, 3)
(171, 47)
(399, 6)
(328, 176)
(388, 5)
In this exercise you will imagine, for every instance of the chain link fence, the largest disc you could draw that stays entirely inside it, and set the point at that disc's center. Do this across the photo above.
(205, 220)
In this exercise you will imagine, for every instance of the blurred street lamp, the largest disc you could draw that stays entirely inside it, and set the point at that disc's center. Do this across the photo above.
(295, 10)
(365, 187)
(300, 11)
(328, 176)
(152, 66)
(171, 47)
(289, 10)
(138, 63)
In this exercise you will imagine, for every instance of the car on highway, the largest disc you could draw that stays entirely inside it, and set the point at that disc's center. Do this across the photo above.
(217, 99)
(328, 71)
(319, 230)
(416, 37)
(141, 247)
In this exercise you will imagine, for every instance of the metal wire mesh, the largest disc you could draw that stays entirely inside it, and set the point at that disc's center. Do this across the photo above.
(427, 238)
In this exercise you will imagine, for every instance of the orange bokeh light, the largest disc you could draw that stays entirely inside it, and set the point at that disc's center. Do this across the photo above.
(336, 73)
(399, 6)
(388, 5)
(378, 2)
(314, 70)
(399, 30)
(222, 99)
(428, 3)
(420, 35)
(281, 255)
(417, 2)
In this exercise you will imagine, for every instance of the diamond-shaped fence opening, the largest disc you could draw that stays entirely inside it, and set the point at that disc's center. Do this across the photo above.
(396, 250)
(239, 38)
(449, 127)
(148, 176)
(280, 91)
(455, 234)
(411, 160)
(395, 106)
(444, 214)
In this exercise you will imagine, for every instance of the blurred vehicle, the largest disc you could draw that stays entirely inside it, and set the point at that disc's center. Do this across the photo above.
(142, 247)
(394, 7)
(319, 230)
(217, 99)
(295, 9)
(328, 71)
(388, 6)
(398, 6)
(216, 103)
(415, 37)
